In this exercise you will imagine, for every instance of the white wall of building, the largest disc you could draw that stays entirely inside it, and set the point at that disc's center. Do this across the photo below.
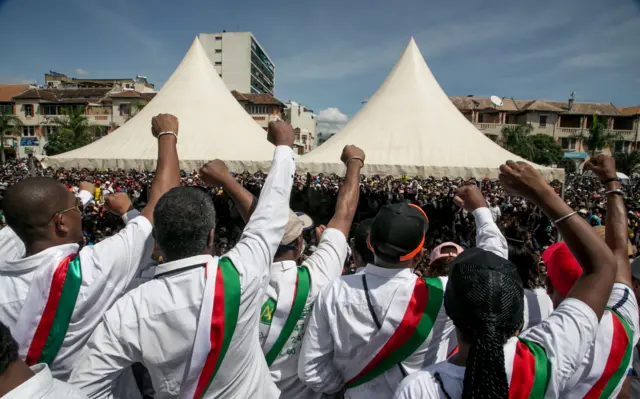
(302, 118)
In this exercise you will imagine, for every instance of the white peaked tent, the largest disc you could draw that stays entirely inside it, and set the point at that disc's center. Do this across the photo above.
(410, 127)
(212, 125)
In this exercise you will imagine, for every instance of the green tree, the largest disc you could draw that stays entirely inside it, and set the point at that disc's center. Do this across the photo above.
(598, 137)
(9, 125)
(628, 163)
(545, 150)
(516, 139)
(74, 131)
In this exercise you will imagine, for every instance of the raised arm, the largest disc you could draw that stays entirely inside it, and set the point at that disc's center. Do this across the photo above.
(616, 234)
(215, 173)
(353, 158)
(165, 128)
(597, 262)
(488, 235)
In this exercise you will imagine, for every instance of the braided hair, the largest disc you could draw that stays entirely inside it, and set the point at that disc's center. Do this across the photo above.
(485, 299)
(8, 348)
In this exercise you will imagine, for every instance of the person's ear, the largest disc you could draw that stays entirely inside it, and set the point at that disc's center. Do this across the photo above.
(60, 225)
(210, 241)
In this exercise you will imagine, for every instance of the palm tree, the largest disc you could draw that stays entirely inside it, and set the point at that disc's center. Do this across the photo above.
(74, 131)
(628, 163)
(516, 140)
(11, 125)
(598, 137)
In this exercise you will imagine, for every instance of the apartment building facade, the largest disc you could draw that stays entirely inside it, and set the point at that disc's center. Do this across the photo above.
(564, 121)
(56, 80)
(241, 61)
(304, 122)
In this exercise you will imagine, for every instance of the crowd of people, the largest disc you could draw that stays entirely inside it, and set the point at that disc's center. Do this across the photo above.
(165, 283)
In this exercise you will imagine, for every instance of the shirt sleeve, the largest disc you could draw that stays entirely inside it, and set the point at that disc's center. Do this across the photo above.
(488, 235)
(315, 364)
(259, 241)
(325, 264)
(566, 336)
(105, 358)
(624, 302)
(11, 246)
(418, 385)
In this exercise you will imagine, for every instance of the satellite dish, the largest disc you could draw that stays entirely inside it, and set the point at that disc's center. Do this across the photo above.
(497, 101)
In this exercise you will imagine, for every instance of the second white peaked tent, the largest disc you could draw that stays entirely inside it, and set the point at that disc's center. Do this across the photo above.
(212, 125)
(410, 127)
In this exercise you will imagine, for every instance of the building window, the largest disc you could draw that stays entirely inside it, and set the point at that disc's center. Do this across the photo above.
(218, 37)
(125, 109)
(6, 109)
(543, 120)
(620, 146)
(569, 143)
(28, 131)
(218, 62)
(218, 51)
(28, 110)
(49, 130)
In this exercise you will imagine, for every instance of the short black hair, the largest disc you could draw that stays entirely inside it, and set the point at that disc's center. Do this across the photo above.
(360, 240)
(183, 218)
(8, 348)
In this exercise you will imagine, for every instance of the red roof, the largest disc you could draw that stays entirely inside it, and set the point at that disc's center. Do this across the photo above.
(259, 99)
(7, 92)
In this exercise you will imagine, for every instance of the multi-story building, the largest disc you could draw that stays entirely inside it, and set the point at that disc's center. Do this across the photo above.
(39, 109)
(240, 60)
(260, 106)
(56, 80)
(564, 121)
(10, 143)
(304, 122)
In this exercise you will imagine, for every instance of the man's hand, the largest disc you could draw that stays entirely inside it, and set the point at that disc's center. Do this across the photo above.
(523, 180)
(280, 133)
(164, 123)
(352, 152)
(319, 232)
(469, 198)
(118, 203)
(87, 186)
(214, 173)
(603, 166)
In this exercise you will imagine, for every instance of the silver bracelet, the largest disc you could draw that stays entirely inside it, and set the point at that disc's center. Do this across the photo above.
(615, 191)
(567, 216)
(167, 132)
(352, 158)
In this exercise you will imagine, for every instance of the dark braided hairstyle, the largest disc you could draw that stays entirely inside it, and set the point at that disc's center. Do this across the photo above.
(485, 300)
(8, 348)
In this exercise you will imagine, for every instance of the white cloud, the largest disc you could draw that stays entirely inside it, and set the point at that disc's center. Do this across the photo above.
(16, 80)
(80, 72)
(331, 120)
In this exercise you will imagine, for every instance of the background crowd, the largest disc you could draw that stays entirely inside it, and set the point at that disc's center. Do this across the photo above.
(316, 196)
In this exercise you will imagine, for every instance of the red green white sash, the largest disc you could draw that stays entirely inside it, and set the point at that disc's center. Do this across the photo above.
(292, 299)
(530, 370)
(46, 314)
(216, 325)
(392, 345)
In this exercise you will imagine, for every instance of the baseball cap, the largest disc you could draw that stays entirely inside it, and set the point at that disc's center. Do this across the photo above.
(582, 211)
(298, 222)
(398, 232)
(563, 269)
(438, 254)
(635, 268)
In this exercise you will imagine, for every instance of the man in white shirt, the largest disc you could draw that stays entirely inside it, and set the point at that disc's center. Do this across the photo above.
(293, 289)
(368, 331)
(19, 381)
(83, 282)
(495, 210)
(195, 325)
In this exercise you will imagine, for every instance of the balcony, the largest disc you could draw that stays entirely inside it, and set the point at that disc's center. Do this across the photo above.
(627, 135)
(492, 129)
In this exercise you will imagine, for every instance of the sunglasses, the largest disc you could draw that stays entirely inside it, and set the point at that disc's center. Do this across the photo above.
(78, 207)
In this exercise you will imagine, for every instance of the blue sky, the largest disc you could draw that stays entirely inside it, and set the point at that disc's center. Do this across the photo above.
(334, 54)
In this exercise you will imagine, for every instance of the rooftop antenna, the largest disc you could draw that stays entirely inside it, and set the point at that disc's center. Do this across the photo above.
(497, 101)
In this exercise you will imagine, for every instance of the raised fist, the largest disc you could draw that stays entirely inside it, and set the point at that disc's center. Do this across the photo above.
(118, 203)
(522, 180)
(319, 232)
(214, 173)
(164, 123)
(280, 133)
(603, 166)
(87, 186)
(469, 198)
(350, 152)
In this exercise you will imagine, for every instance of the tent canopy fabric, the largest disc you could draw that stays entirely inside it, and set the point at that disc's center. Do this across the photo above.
(213, 125)
(410, 127)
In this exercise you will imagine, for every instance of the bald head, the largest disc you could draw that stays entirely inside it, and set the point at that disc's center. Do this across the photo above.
(30, 204)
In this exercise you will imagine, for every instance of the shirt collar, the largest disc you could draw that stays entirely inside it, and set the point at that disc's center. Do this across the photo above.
(38, 386)
(387, 272)
(182, 263)
(31, 262)
(283, 265)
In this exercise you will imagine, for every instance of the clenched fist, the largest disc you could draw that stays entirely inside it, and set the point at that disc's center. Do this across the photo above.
(603, 166)
(87, 186)
(164, 123)
(280, 133)
(352, 152)
(469, 198)
(214, 173)
(523, 180)
(118, 203)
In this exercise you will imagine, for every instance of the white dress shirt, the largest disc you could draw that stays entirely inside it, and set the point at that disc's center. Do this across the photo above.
(43, 386)
(156, 323)
(341, 324)
(537, 307)
(324, 265)
(107, 269)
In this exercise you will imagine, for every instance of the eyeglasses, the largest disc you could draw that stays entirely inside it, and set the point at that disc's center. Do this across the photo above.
(78, 207)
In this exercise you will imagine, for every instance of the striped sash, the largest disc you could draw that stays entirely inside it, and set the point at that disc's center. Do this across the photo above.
(530, 371)
(216, 324)
(415, 327)
(46, 314)
(287, 313)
